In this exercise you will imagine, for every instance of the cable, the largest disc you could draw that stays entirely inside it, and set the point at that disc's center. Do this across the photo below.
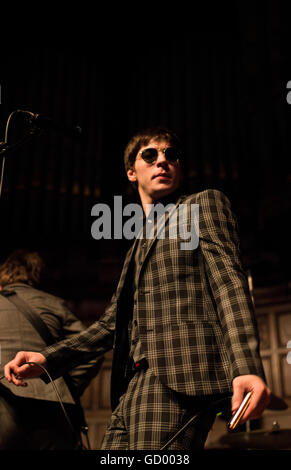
(62, 405)
(57, 394)
(191, 420)
(1, 181)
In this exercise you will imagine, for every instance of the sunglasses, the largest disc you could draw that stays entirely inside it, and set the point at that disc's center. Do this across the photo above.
(150, 155)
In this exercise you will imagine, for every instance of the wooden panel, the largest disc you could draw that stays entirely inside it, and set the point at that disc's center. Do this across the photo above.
(264, 331)
(96, 403)
(286, 376)
(284, 328)
(104, 397)
(268, 371)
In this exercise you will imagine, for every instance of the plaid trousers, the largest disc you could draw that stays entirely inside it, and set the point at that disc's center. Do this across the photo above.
(149, 413)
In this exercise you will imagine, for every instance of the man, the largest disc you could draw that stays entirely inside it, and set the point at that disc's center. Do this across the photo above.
(31, 417)
(181, 321)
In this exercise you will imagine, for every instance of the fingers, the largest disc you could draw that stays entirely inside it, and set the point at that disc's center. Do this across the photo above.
(12, 368)
(17, 370)
(259, 401)
(237, 397)
(13, 374)
(260, 396)
(18, 381)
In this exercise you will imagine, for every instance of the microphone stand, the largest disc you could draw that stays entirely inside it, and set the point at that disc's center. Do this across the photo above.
(5, 148)
(37, 124)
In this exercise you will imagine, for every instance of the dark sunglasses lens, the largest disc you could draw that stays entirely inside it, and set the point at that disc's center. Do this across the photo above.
(149, 155)
(172, 154)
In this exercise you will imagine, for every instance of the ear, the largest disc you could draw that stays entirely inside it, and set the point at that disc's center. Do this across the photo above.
(131, 175)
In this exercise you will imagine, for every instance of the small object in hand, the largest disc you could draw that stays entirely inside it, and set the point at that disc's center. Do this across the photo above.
(240, 412)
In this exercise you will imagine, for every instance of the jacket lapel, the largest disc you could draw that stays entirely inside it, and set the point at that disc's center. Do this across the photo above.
(153, 236)
(126, 265)
(161, 225)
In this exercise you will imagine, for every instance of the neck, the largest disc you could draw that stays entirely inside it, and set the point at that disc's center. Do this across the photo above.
(147, 201)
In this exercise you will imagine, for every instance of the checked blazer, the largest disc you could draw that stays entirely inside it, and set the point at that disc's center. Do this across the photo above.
(193, 308)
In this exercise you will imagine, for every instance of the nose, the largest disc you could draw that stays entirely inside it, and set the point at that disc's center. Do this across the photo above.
(161, 160)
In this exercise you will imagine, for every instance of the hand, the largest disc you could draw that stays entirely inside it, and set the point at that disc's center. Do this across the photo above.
(16, 370)
(243, 384)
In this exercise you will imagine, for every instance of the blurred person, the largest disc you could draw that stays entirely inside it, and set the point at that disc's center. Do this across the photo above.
(31, 417)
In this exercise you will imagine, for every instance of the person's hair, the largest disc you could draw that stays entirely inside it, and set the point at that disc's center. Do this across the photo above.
(22, 266)
(143, 137)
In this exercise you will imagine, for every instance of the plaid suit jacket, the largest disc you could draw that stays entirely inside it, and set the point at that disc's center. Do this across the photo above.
(193, 307)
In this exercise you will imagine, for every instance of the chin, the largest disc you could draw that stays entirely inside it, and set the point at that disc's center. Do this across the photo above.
(162, 192)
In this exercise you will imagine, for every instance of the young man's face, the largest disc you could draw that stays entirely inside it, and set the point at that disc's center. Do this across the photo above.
(158, 179)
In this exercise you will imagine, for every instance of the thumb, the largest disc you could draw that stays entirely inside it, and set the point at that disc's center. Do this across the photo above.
(237, 398)
(19, 360)
(26, 364)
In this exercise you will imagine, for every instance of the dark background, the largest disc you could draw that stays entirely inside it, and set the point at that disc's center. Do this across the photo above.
(217, 76)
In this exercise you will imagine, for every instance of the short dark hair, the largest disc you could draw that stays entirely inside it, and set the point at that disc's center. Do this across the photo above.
(22, 266)
(143, 137)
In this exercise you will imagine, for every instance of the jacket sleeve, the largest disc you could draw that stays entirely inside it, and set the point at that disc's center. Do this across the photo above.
(82, 374)
(219, 243)
(92, 343)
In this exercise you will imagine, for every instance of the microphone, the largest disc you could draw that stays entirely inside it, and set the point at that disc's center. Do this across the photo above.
(42, 122)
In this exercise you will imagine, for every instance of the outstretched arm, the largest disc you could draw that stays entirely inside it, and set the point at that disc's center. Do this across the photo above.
(219, 242)
(61, 357)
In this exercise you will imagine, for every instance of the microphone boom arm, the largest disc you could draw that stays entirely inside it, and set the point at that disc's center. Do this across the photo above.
(37, 123)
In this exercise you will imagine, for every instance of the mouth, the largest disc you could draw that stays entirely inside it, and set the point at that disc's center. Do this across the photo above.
(162, 176)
